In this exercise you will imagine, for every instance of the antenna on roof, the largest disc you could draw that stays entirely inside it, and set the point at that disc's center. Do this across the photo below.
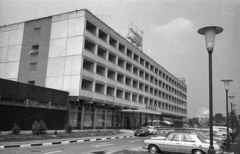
(102, 15)
(135, 36)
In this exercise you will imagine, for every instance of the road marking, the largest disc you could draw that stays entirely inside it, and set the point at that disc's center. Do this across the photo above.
(101, 145)
(135, 141)
(53, 152)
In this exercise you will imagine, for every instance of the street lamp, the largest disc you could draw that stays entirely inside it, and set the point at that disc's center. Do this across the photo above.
(226, 85)
(210, 33)
(231, 101)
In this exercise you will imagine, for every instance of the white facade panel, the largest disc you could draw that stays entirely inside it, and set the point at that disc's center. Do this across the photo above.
(59, 29)
(16, 37)
(74, 45)
(71, 84)
(11, 70)
(57, 47)
(73, 65)
(76, 26)
(3, 54)
(56, 66)
(13, 53)
(4, 37)
(55, 82)
(2, 68)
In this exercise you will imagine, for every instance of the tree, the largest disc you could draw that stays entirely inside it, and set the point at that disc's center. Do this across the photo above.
(193, 121)
(219, 119)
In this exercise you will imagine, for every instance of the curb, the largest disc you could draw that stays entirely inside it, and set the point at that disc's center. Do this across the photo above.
(63, 142)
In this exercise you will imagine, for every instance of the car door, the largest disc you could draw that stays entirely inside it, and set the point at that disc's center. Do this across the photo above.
(172, 143)
(187, 143)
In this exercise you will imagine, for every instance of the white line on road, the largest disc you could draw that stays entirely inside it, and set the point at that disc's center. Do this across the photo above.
(53, 152)
(135, 141)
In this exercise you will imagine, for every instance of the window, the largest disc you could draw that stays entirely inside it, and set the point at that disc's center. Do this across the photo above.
(91, 28)
(88, 65)
(100, 70)
(32, 82)
(87, 84)
(54, 106)
(102, 35)
(176, 137)
(43, 104)
(33, 67)
(99, 88)
(34, 51)
(110, 91)
(90, 46)
(33, 103)
(111, 74)
(36, 32)
(187, 138)
(6, 100)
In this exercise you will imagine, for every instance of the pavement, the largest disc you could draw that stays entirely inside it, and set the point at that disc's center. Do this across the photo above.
(20, 144)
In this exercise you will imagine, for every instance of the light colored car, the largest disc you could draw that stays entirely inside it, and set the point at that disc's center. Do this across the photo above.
(184, 142)
(152, 129)
(223, 130)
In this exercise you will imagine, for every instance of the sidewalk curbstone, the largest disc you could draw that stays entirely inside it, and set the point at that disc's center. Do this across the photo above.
(63, 142)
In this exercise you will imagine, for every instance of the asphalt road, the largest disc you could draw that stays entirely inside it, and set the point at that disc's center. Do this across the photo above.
(92, 147)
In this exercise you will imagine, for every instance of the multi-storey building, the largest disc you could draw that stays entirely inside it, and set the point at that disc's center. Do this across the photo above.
(111, 83)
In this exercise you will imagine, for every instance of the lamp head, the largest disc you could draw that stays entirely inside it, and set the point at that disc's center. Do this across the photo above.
(226, 83)
(231, 98)
(209, 33)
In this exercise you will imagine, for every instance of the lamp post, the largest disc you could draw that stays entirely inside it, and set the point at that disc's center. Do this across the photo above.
(209, 33)
(226, 85)
(231, 101)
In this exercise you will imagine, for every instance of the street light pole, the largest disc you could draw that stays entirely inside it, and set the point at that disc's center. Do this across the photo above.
(226, 84)
(209, 33)
(231, 101)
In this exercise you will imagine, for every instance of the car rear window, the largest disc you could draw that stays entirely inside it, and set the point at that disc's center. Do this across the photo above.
(201, 139)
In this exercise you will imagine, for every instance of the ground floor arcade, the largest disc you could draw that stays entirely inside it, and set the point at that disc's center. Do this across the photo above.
(98, 116)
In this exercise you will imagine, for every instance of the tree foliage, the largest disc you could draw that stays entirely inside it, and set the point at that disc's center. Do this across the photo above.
(219, 119)
(193, 121)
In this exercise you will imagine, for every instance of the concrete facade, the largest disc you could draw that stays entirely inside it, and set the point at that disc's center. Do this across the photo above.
(107, 77)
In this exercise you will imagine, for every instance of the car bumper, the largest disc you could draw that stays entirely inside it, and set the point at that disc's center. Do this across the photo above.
(145, 147)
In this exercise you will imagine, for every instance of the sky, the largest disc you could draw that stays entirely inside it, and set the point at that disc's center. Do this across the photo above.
(170, 38)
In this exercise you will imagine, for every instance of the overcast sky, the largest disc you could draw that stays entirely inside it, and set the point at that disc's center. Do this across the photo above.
(170, 38)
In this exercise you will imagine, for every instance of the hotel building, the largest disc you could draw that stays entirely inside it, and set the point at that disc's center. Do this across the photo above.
(110, 82)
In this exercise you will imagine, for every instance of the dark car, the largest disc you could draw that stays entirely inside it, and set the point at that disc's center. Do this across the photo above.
(141, 131)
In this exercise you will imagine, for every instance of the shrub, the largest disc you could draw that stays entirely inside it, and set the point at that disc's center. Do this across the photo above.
(43, 127)
(39, 128)
(68, 128)
(15, 129)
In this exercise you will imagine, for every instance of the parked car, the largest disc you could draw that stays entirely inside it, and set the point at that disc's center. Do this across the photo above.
(152, 129)
(223, 130)
(216, 135)
(181, 142)
(141, 131)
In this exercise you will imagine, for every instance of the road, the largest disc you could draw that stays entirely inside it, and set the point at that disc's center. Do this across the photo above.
(91, 147)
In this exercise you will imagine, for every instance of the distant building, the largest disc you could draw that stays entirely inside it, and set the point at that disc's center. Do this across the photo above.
(110, 82)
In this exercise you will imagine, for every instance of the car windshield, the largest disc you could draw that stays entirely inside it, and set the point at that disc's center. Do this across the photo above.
(200, 137)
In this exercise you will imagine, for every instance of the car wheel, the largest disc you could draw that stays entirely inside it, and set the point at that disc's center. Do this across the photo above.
(197, 152)
(153, 149)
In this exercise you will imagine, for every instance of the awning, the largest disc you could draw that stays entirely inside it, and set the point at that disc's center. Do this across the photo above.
(141, 110)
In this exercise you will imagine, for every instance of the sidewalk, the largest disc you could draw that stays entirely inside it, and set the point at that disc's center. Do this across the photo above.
(125, 134)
